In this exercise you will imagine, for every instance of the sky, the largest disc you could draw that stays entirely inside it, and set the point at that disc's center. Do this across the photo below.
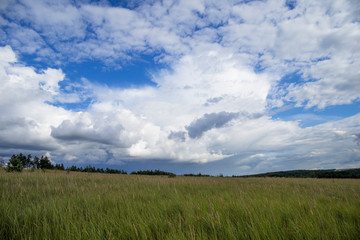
(218, 87)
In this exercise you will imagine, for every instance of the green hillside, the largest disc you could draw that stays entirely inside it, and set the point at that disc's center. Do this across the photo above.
(329, 173)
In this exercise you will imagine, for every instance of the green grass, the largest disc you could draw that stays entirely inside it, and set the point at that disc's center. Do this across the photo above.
(61, 205)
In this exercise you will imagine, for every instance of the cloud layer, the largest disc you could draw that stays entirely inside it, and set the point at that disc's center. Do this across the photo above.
(225, 65)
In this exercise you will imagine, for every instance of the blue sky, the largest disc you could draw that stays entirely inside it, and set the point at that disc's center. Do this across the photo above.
(231, 87)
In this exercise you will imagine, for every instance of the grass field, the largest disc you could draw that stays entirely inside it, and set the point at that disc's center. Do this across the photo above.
(61, 205)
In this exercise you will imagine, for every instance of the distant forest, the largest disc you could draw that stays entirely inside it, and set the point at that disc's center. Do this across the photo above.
(20, 162)
(329, 173)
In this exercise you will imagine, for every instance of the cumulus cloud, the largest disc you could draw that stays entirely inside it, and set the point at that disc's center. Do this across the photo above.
(337, 84)
(82, 131)
(25, 117)
(224, 65)
(285, 146)
(20, 133)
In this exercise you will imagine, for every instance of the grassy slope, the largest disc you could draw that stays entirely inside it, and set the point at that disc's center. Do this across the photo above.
(60, 205)
(329, 173)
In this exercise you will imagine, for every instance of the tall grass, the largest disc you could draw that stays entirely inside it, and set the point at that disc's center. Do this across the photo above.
(60, 205)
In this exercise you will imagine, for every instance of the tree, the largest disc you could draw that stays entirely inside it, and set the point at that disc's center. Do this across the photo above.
(36, 162)
(172, 175)
(29, 162)
(73, 168)
(45, 163)
(22, 159)
(14, 164)
(26, 161)
(59, 166)
(2, 162)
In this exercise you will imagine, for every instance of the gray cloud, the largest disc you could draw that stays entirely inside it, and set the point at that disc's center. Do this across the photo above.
(27, 146)
(214, 100)
(19, 133)
(209, 121)
(181, 135)
(357, 138)
(16, 123)
(69, 131)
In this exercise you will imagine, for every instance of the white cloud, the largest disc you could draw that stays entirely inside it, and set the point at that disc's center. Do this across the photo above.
(338, 84)
(25, 116)
(321, 42)
(113, 126)
(329, 145)
(221, 57)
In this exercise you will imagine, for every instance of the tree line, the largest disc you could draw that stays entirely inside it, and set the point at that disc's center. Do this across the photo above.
(18, 162)
(198, 175)
(92, 169)
(155, 172)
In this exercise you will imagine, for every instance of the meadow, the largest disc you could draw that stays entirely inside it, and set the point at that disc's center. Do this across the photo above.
(73, 205)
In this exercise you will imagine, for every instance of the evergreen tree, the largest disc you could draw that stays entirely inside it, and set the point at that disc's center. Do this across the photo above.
(36, 162)
(59, 166)
(29, 163)
(14, 164)
(45, 163)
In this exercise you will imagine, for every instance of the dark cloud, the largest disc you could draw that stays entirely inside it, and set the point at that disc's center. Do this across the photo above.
(357, 138)
(69, 131)
(6, 124)
(209, 121)
(29, 145)
(181, 135)
(19, 133)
